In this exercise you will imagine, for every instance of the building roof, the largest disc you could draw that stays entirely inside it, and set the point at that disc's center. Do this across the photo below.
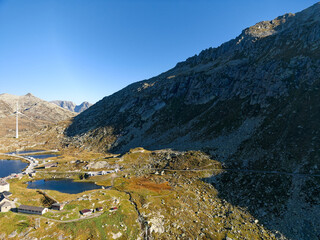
(30, 208)
(6, 193)
(51, 165)
(3, 183)
(2, 197)
(57, 204)
(85, 211)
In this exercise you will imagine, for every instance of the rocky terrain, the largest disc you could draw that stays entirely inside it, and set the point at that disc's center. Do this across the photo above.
(252, 103)
(158, 195)
(36, 113)
(271, 63)
(32, 107)
(71, 106)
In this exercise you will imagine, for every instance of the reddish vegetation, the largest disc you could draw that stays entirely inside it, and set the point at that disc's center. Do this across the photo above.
(146, 183)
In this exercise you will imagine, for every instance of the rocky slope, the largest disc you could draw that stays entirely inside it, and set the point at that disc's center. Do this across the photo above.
(32, 107)
(268, 62)
(253, 103)
(71, 106)
(36, 112)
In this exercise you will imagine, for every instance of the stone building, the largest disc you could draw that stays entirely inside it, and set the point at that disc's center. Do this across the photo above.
(5, 204)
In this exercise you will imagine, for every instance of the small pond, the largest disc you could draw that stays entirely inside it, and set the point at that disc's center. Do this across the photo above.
(8, 167)
(63, 185)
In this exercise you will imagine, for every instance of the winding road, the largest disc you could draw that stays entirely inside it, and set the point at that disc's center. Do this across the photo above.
(32, 162)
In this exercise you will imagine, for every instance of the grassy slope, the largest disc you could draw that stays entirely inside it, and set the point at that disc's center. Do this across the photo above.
(174, 203)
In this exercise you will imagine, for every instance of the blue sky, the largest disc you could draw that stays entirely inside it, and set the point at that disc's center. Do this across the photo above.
(83, 50)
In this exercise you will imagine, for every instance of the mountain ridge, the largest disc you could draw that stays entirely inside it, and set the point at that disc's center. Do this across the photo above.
(226, 88)
(251, 103)
(71, 106)
(36, 112)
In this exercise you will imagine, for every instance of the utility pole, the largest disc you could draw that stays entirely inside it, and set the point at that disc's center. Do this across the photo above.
(17, 126)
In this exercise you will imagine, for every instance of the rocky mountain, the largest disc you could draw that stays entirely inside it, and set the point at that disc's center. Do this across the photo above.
(71, 106)
(36, 112)
(65, 104)
(253, 103)
(82, 107)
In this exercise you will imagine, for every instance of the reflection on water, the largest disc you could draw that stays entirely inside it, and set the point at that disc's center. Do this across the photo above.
(26, 151)
(43, 156)
(8, 167)
(34, 155)
(63, 185)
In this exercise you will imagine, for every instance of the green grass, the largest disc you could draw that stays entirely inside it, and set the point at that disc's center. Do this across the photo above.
(11, 222)
(104, 224)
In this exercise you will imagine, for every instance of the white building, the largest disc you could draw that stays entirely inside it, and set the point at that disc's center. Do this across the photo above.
(5, 207)
(4, 186)
(32, 209)
(5, 204)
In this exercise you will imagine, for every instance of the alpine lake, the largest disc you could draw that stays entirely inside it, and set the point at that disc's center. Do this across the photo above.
(63, 185)
(8, 167)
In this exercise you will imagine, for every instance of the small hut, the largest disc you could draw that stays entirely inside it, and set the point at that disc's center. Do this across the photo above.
(57, 206)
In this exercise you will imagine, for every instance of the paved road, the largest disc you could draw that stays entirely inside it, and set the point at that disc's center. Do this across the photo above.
(240, 170)
(32, 162)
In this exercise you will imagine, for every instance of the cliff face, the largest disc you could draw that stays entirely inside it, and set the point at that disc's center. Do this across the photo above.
(253, 103)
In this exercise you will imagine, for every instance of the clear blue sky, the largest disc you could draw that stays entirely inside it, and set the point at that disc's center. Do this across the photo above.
(86, 49)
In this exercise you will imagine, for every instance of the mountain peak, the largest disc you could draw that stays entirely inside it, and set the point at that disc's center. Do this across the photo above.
(71, 106)
(267, 28)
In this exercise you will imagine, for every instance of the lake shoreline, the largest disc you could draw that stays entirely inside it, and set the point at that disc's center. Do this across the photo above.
(63, 185)
(9, 167)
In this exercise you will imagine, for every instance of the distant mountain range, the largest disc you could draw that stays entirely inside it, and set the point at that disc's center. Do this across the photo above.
(253, 103)
(71, 106)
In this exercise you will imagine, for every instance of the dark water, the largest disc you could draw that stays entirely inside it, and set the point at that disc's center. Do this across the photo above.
(63, 185)
(27, 151)
(43, 156)
(8, 167)
(37, 156)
